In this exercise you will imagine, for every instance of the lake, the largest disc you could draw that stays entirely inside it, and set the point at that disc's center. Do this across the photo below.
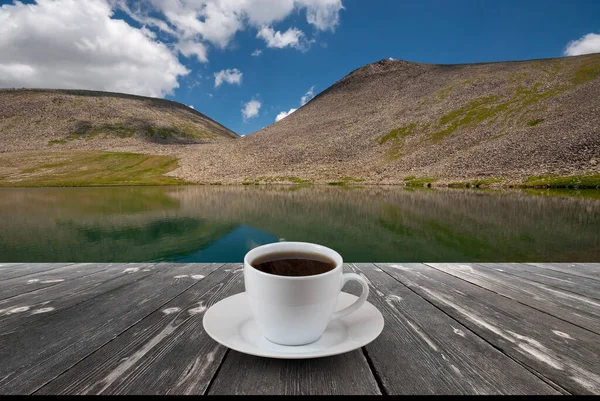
(370, 224)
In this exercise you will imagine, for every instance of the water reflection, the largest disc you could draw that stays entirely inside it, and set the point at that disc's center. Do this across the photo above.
(220, 224)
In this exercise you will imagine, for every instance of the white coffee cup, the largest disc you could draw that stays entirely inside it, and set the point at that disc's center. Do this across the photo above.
(296, 310)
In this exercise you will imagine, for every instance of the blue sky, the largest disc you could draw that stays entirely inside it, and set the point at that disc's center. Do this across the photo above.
(326, 39)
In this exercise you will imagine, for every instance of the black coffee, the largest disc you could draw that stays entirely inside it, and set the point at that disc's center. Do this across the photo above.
(293, 264)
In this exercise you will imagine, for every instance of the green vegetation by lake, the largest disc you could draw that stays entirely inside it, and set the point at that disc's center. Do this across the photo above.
(370, 224)
(573, 181)
(85, 168)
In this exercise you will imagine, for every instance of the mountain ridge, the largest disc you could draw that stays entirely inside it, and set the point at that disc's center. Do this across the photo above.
(401, 122)
(449, 105)
(33, 119)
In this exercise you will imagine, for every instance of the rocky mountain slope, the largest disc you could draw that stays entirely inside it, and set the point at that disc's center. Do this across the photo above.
(397, 121)
(390, 122)
(32, 119)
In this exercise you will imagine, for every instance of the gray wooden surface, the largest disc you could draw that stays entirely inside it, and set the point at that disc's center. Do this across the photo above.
(449, 329)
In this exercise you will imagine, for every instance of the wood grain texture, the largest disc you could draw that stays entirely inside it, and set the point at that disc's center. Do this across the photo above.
(36, 352)
(8, 267)
(566, 305)
(557, 350)
(167, 352)
(346, 374)
(587, 270)
(13, 270)
(34, 282)
(552, 278)
(422, 350)
(137, 329)
(51, 299)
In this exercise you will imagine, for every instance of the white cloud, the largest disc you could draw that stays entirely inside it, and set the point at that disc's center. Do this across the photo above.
(194, 82)
(292, 37)
(191, 107)
(141, 17)
(284, 114)
(148, 33)
(323, 14)
(251, 109)
(231, 76)
(589, 43)
(307, 96)
(190, 48)
(218, 21)
(262, 12)
(390, 58)
(76, 44)
(256, 53)
(303, 100)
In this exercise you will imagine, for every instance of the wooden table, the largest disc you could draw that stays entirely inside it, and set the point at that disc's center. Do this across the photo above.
(449, 329)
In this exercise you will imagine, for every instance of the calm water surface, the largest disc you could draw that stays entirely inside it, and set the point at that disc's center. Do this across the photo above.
(220, 224)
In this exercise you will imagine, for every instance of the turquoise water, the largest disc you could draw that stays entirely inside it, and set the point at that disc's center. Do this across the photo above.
(371, 224)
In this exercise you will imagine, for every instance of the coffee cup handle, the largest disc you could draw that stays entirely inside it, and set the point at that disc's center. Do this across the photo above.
(360, 301)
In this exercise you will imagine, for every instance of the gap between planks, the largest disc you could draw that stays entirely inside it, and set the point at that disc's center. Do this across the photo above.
(220, 265)
(525, 366)
(515, 299)
(374, 372)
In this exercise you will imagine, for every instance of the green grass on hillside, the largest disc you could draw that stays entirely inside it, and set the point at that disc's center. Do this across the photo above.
(474, 113)
(397, 133)
(413, 181)
(85, 168)
(346, 181)
(522, 101)
(183, 131)
(481, 183)
(446, 91)
(396, 136)
(585, 73)
(572, 181)
(535, 122)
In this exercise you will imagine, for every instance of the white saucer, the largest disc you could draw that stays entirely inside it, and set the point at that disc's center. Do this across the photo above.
(230, 322)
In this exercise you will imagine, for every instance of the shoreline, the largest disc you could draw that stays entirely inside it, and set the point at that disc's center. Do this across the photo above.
(431, 185)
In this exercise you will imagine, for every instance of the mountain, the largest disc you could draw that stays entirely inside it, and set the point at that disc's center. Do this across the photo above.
(38, 119)
(389, 122)
(77, 137)
(395, 121)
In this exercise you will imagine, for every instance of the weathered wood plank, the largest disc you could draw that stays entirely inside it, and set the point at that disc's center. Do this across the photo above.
(342, 374)
(574, 308)
(346, 374)
(174, 344)
(587, 270)
(8, 266)
(560, 351)
(553, 278)
(21, 309)
(26, 269)
(167, 352)
(424, 351)
(159, 353)
(36, 352)
(24, 284)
